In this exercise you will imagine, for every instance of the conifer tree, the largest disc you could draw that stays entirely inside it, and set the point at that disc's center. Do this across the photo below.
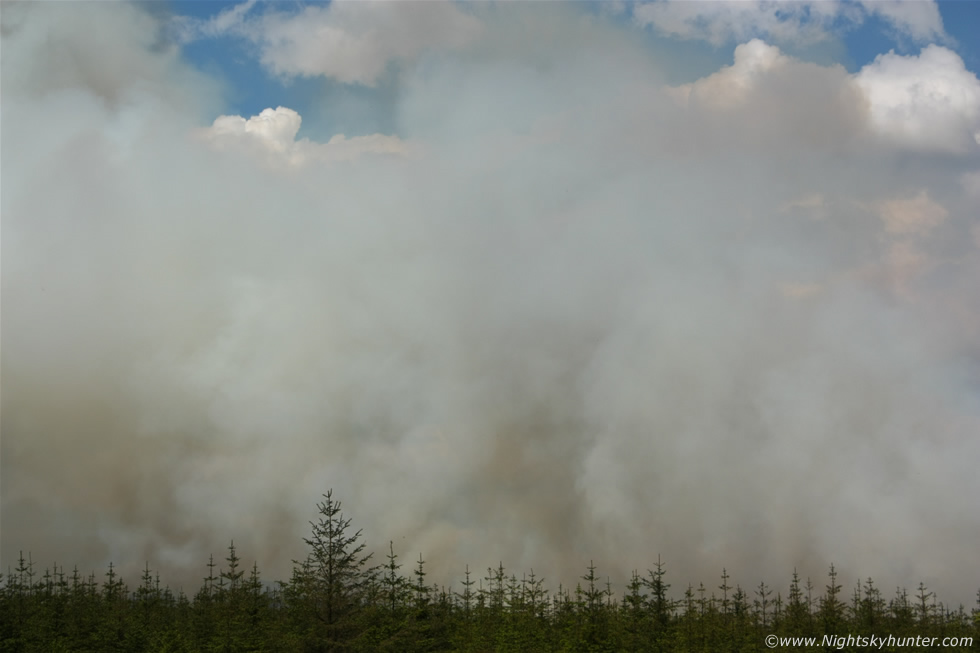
(722, 630)
(704, 614)
(81, 615)
(592, 594)
(688, 634)
(901, 613)
(797, 610)
(392, 582)
(762, 603)
(112, 630)
(20, 587)
(778, 611)
(233, 574)
(466, 596)
(465, 636)
(338, 562)
(207, 590)
(661, 607)
(871, 609)
(148, 600)
(203, 607)
(299, 598)
(831, 608)
(924, 611)
(535, 625)
(809, 597)
(496, 579)
(725, 589)
(421, 589)
(257, 598)
(592, 599)
(976, 615)
(421, 624)
(634, 612)
(742, 627)
(230, 618)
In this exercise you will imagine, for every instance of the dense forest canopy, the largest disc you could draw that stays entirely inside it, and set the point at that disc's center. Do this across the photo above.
(342, 598)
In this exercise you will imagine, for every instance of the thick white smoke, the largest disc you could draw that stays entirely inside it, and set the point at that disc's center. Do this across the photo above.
(566, 313)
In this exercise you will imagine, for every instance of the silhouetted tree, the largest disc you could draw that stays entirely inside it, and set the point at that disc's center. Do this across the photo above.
(338, 571)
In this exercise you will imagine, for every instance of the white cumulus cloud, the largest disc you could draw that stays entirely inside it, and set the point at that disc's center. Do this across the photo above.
(921, 21)
(352, 42)
(277, 128)
(272, 135)
(733, 84)
(928, 102)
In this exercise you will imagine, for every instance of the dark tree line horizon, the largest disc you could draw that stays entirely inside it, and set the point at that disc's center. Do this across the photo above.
(340, 598)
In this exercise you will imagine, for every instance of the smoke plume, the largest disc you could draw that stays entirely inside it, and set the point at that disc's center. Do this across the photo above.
(565, 312)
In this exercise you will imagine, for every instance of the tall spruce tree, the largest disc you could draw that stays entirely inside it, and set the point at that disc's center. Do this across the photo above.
(832, 609)
(798, 618)
(394, 584)
(338, 566)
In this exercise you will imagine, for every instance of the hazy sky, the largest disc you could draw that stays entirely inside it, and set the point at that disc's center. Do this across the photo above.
(531, 283)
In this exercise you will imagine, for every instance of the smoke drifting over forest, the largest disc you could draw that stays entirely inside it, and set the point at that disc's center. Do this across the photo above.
(564, 311)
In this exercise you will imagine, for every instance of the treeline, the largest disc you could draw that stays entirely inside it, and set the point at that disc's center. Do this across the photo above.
(341, 599)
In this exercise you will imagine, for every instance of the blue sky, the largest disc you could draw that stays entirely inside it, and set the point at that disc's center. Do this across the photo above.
(329, 106)
(961, 20)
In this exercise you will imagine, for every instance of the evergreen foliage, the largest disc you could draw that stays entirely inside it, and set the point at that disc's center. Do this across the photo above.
(334, 601)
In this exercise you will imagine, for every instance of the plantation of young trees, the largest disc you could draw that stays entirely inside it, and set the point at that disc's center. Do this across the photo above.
(340, 598)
